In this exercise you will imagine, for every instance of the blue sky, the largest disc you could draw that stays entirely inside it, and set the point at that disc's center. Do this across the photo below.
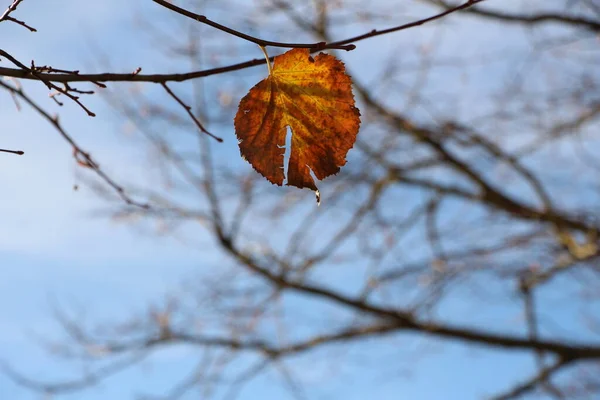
(54, 248)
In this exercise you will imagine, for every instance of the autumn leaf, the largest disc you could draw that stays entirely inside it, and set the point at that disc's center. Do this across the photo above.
(313, 96)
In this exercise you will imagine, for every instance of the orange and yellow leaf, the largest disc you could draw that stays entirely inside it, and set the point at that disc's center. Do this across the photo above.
(313, 96)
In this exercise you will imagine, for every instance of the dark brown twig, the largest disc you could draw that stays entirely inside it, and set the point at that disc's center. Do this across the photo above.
(188, 109)
(543, 17)
(6, 15)
(535, 381)
(82, 157)
(409, 25)
(17, 152)
(159, 78)
(67, 91)
(22, 23)
(258, 41)
(12, 7)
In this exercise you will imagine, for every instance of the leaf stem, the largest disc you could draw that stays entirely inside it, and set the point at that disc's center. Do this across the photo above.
(264, 50)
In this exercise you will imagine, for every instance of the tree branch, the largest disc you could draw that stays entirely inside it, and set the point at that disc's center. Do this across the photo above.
(17, 152)
(539, 18)
(536, 380)
(406, 321)
(82, 157)
(414, 24)
(67, 90)
(6, 15)
(160, 78)
(188, 109)
(261, 42)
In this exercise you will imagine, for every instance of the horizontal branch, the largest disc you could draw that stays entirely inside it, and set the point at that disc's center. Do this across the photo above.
(127, 77)
(409, 25)
(17, 152)
(67, 91)
(88, 380)
(406, 321)
(163, 78)
(488, 193)
(261, 42)
(135, 351)
(538, 18)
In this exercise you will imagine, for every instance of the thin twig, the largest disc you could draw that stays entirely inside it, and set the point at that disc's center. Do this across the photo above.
(188, 109)
(17, 152)
(536, 380)
(33, 71)
(12, 7)
(539, 18)
(409, 25)
(159, 78)
(258, 41)
(82, 157)
(6, 15)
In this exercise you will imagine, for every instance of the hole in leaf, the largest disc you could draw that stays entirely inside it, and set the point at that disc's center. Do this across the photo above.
(312, 174)
(317, 193)
(312, 60)
(288, 152)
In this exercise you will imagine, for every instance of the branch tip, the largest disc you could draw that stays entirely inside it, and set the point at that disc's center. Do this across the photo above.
(17, 152)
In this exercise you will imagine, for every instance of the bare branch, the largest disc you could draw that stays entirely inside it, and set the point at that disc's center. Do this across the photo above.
(162, 78)
(532, 19)
(82, 157)
(17, 152)
(66, 90)
(260, 42)
(6, 15)
(535, 381)
(409, 25)
(188, 109)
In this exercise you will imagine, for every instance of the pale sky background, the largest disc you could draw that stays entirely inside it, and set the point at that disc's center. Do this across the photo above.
(53, 248)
